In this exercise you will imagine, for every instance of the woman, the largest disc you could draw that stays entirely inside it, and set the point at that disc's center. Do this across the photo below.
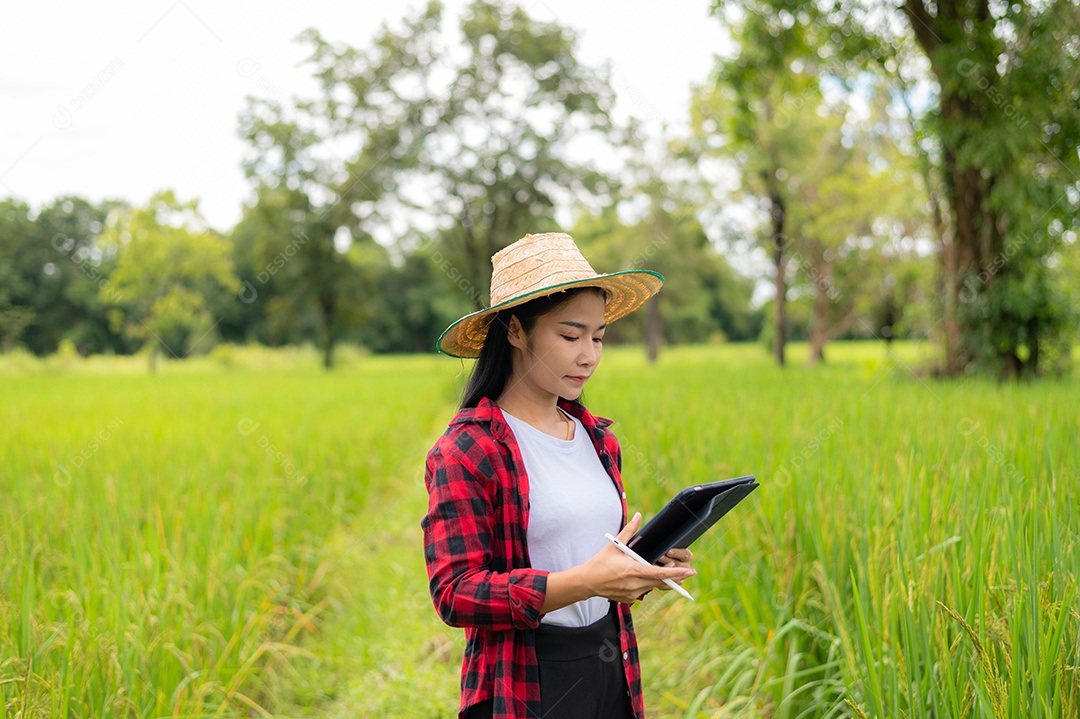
(522, 487)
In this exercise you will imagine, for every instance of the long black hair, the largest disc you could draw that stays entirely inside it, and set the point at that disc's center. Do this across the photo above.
(495, 364)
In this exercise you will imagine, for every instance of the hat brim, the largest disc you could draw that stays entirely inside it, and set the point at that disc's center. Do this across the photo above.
(627, 291)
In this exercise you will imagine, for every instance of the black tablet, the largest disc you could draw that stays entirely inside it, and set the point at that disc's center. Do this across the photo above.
(688, 516)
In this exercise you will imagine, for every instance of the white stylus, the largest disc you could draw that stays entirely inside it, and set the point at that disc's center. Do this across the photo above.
(631, 553)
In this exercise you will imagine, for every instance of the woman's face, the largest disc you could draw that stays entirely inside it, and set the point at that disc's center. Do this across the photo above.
(563, 348)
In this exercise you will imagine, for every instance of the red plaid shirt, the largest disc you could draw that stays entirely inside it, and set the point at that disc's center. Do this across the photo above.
(478, 560)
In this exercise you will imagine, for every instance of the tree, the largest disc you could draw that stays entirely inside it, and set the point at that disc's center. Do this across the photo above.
(654, 225)
(167, 263)
(855, 210)
(1008, 124)
(74, 309)
(309, 200)
(999, 139)
(415, 301)
(502, 149)
(302, 269)
(703, 298)
(16, 308)
(741, 117)
(312, 208)
(476, 148)
(51, 275)
(831, 190)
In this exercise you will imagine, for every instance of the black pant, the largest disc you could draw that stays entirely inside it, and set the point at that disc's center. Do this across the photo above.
(581, 673)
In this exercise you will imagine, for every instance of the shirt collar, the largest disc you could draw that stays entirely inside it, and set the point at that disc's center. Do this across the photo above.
(489, 412)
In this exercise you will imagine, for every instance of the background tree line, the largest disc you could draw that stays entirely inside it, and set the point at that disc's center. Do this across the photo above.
(907, 172)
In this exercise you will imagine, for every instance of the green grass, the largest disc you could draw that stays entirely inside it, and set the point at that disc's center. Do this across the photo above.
(239, 536)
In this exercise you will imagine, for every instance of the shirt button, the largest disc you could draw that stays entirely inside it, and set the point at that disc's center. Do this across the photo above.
(626, 655)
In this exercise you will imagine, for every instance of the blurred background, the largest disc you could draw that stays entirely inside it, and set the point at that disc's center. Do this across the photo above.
(176, 177)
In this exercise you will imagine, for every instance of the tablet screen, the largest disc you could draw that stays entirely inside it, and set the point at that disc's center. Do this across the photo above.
(689, 515)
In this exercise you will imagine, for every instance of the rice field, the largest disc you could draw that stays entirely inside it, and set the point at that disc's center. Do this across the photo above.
(238, 536)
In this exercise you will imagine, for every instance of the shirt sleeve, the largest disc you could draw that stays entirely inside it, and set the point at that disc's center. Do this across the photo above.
(458, 548)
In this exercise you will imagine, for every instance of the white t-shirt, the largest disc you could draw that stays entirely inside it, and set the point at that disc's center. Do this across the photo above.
(572, 503)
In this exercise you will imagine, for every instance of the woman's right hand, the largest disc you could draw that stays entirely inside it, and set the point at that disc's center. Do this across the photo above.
(614, 575)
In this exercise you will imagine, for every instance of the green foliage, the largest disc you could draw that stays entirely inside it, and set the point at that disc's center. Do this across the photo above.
(414, 302)
(703, 297)
(820, 154)
(1009, 125)
(16, 312)
(299, 284)
(51, 276)
(485, 133)
(997, 143)
(475, 131)
(167, 264)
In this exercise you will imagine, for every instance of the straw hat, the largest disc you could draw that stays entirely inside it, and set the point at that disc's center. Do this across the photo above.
(538, 265)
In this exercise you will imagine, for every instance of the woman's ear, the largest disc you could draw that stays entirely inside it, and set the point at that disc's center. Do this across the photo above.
(515, 333)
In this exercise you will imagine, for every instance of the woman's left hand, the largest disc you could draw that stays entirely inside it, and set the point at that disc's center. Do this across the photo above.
(675, 558)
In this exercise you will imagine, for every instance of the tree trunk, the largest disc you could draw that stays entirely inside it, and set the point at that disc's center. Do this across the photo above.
(975, 233)
(328, 353)
(653, 329)
(1032, 364)
(951, 274)
(817, 351)
(976, 244)
(818, 329)
(819, 325)
(888, 323)
(780, 333)
(950, 287)
(328, 310)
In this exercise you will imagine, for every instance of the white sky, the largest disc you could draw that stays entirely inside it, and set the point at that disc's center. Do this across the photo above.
(122, 99)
